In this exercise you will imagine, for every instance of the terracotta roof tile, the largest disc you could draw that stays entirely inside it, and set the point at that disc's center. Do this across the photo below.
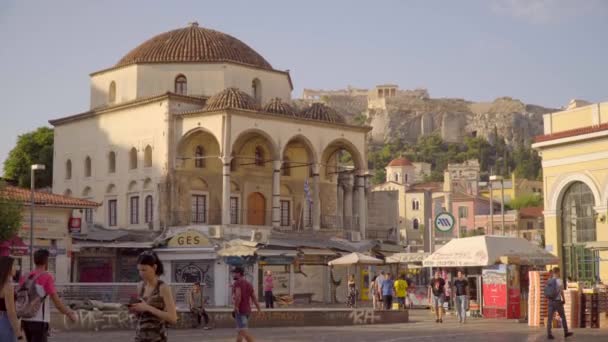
(231, 98)
(47, 199)
(531, 212)
(277, 106)
(400, 162)
(194, 44)
(572, 133)
(321, 112)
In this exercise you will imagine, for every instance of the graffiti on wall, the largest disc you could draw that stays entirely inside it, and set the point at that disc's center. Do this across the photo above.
(364, 316)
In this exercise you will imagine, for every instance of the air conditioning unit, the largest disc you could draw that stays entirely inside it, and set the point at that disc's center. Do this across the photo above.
(260, 236)
(215, 232)
(354, 236)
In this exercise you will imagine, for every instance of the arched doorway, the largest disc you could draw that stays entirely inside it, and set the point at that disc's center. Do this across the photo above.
(578, 227)
(256, 209)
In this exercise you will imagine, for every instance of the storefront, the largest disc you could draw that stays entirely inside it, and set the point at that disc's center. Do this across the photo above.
(190, 257)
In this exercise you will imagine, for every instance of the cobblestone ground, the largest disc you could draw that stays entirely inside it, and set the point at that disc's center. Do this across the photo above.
(421, 328)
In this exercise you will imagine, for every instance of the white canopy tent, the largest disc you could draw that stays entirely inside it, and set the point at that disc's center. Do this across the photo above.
(406, 258)
(479, 251)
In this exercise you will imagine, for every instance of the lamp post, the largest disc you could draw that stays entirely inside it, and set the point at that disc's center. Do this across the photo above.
(35, 167)
(502, 200)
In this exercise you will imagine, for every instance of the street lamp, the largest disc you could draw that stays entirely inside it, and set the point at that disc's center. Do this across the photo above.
(502, 200)
(35, 167)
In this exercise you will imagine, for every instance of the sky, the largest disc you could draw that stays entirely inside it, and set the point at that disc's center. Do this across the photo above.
(541, 52)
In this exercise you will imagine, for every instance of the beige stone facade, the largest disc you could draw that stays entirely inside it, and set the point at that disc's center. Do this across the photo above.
(182, 143)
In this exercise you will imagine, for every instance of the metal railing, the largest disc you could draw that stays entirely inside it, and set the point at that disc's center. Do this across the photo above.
(120, 292)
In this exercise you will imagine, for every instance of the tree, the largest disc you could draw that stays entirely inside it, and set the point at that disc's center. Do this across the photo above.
(526, 201)
(11, 214)
(32, 148)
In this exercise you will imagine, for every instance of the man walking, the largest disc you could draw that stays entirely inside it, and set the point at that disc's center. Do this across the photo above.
(37, 328)
(556, 302)
(379, 280)
(243, 295)
(387, 291)
(196, 302)
(437, 289)
(461, 289)
(268, 286)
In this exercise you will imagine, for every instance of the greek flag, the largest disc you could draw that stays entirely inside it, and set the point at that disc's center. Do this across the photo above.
(307, 191)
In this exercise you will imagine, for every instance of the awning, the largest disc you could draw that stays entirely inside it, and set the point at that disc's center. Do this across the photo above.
(92, 244)
(479, 251)
(597, 245)
(277, 252)
(404, 258)
(318, 251)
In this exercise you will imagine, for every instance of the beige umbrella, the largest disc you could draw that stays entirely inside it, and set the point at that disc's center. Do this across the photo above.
(479, 251)
(355, 259)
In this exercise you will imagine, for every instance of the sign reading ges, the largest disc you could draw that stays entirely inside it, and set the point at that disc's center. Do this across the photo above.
(189, 239)
(444, 222)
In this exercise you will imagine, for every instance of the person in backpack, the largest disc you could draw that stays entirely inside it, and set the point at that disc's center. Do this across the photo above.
(39, 286)
(10, 330)
(554, 291)
(155, 307)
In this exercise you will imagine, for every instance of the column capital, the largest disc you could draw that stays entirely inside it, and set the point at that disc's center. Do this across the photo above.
(277, 164)
(226, 160)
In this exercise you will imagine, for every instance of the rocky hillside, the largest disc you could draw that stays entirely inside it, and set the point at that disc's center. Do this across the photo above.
(405, 117)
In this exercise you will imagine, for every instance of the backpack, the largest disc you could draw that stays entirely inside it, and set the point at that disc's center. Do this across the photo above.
(27, 300)
(551, 292)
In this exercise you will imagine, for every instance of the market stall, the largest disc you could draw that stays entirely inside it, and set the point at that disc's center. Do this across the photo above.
(501, 259)
(355, 259)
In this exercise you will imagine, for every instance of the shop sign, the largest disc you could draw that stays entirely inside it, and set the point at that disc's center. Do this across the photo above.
(189, 238)
(75, 224)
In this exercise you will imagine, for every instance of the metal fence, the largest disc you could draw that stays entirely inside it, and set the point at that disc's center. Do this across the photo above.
(120, 292)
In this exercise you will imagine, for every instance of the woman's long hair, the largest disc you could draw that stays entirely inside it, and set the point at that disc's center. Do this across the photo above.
(6, 265)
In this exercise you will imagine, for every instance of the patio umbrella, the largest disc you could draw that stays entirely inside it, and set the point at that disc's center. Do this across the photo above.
(479, 251)
(355, 259)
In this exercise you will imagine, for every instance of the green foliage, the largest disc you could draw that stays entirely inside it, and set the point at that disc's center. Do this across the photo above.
(494, 157)
(11, 214)
(360, 119)
(526, 201)
(32, 148)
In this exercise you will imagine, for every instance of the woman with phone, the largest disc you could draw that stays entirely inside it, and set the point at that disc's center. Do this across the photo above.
(10, 330)
(156, 306)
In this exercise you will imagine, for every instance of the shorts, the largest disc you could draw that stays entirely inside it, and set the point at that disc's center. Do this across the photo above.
(242, 322)
(438, 301)
(401, 301)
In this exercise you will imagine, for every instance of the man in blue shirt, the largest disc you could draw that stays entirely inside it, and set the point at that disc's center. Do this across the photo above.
(387, 289)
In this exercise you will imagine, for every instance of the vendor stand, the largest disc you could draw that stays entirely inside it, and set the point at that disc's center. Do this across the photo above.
(501, 259)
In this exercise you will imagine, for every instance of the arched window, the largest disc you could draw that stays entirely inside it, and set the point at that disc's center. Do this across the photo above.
(181, 85)
(148, 156)
(286, 169)
(396, 177)
(415, 204)
(199, 157)
(68, 169)
(87, 166)
(405, 181)
(133, 159)
(578, 227)
(112, 162)
(67, 192)
(112, 92)
(149, 209)
(256, 90)
(259, 156)
(415, 224)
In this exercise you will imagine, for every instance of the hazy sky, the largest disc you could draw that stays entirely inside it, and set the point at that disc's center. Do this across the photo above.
(542, 52)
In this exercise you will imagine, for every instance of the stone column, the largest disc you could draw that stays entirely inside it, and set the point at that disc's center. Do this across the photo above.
(362, 203)
(340, 205)
(316, 198)
(226, 190)
(276, 193)
(348, 202)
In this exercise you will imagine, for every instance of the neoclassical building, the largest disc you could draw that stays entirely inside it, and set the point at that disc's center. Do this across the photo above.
(194, 127)
(574, 150)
